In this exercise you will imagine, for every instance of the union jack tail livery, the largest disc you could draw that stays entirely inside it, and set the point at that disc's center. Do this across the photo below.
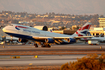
(83, 30)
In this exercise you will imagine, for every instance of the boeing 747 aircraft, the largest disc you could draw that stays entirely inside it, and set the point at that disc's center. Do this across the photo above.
(44, 38)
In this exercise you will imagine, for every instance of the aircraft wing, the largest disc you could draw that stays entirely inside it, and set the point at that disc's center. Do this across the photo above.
(40, 37)
(83, 37)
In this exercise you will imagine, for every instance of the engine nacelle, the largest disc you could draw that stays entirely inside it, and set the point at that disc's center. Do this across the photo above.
(22, 40)
(49, 40)
(44, 28)
(71, 40)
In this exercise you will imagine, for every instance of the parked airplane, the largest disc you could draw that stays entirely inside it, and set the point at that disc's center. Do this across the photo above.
(44, 38)
(97, 39)
(94, 40)
(8, 39)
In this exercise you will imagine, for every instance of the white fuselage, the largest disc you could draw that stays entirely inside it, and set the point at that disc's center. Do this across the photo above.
(30, 31)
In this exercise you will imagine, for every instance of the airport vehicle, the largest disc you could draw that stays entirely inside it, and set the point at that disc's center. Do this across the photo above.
(97, 39)
(44, 38)
(95, 42)
(1, 43)
(1, 39)
(9, 39)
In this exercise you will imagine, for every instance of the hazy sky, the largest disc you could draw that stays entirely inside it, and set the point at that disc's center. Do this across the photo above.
(57, 6)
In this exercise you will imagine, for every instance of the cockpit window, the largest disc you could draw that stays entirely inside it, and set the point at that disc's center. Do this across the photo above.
(11, 25)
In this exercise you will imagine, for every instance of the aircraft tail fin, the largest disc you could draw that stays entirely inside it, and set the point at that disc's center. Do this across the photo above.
(83, 30)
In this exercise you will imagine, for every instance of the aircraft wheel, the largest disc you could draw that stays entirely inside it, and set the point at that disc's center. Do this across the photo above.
(36, 45)
(49, 45)
(46, 45)
(43, 46)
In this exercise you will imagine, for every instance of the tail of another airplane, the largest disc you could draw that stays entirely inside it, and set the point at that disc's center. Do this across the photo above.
(83, 30)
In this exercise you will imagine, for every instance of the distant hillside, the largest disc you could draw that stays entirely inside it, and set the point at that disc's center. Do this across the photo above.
(57, 6)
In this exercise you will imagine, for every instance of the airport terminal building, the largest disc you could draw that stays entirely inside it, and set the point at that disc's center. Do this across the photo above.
(99, 30)
(102, 22)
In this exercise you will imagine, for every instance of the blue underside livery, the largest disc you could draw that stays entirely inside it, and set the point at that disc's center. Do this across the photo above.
(23, 36)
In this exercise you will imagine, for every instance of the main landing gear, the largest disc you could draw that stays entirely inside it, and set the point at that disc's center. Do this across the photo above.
(43, 45)
(46, 45)
(36, 45)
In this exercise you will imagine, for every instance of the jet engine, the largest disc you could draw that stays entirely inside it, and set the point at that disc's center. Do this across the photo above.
(49, 40)
(22, 40)
(71, 40)
(44, 28)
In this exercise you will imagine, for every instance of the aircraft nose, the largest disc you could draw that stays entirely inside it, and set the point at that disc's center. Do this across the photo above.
(4, 29)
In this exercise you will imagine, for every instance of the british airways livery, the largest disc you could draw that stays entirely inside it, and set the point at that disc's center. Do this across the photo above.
(44, 38)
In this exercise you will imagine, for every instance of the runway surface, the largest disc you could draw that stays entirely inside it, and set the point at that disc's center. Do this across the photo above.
(40, 61)
(70, 47)
(56, 55)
